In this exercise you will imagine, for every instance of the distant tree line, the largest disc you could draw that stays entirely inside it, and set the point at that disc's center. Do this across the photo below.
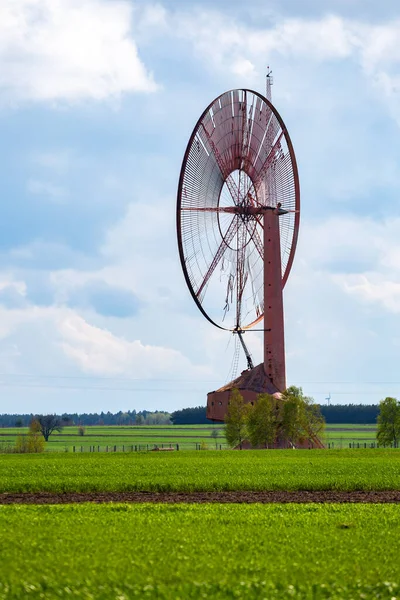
(361, 414)
(190, 416)
(335, 413)
(143, 417)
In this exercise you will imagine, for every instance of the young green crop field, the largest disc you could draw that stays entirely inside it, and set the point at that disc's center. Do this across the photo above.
(345, 470)
(183, 552)
(188, 437)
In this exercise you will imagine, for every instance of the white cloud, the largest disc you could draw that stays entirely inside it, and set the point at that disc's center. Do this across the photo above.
(373, 289)
(46, 189)
(18, 286)
(243, 67)
(226, 44)
(344, 240)
(64, 336)
(57, 161)
(136, 254)
(68, 50)
(330, 37)
(151, 17)
(12, 319)
(359, 255)
(98, 351)
(230, 43)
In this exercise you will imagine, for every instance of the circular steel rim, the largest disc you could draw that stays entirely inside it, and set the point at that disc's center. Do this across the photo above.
(297, 203)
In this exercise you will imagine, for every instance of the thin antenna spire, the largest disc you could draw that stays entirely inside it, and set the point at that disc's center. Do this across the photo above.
(269, 83)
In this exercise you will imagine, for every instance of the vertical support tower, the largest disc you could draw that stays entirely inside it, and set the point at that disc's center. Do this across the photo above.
(238, 214)
(274, 337)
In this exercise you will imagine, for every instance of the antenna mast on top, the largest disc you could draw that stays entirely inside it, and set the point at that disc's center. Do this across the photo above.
(269, 82)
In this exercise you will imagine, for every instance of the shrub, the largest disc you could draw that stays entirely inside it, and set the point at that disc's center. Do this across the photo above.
(36, 443)
(34, 426)
(31, 443)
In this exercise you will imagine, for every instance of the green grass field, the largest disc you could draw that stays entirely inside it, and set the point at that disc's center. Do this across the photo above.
(213, 551)
(187, 436)
(340, 436)
(202, 471)
(119, 552)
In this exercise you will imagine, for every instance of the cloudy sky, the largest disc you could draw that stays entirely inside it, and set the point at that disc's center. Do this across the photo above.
(97, 101)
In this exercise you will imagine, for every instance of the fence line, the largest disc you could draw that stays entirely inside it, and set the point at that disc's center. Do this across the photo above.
(331, 445)
(137, 448)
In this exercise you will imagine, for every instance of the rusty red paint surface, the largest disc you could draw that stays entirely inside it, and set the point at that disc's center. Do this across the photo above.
(241, 145)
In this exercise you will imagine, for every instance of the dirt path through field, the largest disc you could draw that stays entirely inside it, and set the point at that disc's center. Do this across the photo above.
(203, 497)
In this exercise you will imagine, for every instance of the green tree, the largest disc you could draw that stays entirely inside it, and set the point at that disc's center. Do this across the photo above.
(263, 421)
(301, 417)
(235, 420)
(389, 422)
(291, 423)
(314, 423)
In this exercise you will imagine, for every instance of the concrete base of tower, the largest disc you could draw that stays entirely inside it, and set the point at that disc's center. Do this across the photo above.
(250, 384)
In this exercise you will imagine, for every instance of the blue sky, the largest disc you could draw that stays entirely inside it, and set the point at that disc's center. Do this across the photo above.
(97, 101)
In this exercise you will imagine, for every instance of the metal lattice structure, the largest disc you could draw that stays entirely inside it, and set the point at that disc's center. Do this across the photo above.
(239, 157)
(238, 216)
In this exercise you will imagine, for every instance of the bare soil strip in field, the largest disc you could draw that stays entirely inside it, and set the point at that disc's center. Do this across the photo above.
(237, 497)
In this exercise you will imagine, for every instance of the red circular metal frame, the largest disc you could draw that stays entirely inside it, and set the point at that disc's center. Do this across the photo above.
(217, 160)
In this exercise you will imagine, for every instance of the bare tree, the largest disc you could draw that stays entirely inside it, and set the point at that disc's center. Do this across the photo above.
(48, 424)
(214, 434)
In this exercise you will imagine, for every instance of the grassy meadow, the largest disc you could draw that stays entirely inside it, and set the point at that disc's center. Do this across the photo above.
(188, 437)
(347, 470)
(182, 552)
(341, 435)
